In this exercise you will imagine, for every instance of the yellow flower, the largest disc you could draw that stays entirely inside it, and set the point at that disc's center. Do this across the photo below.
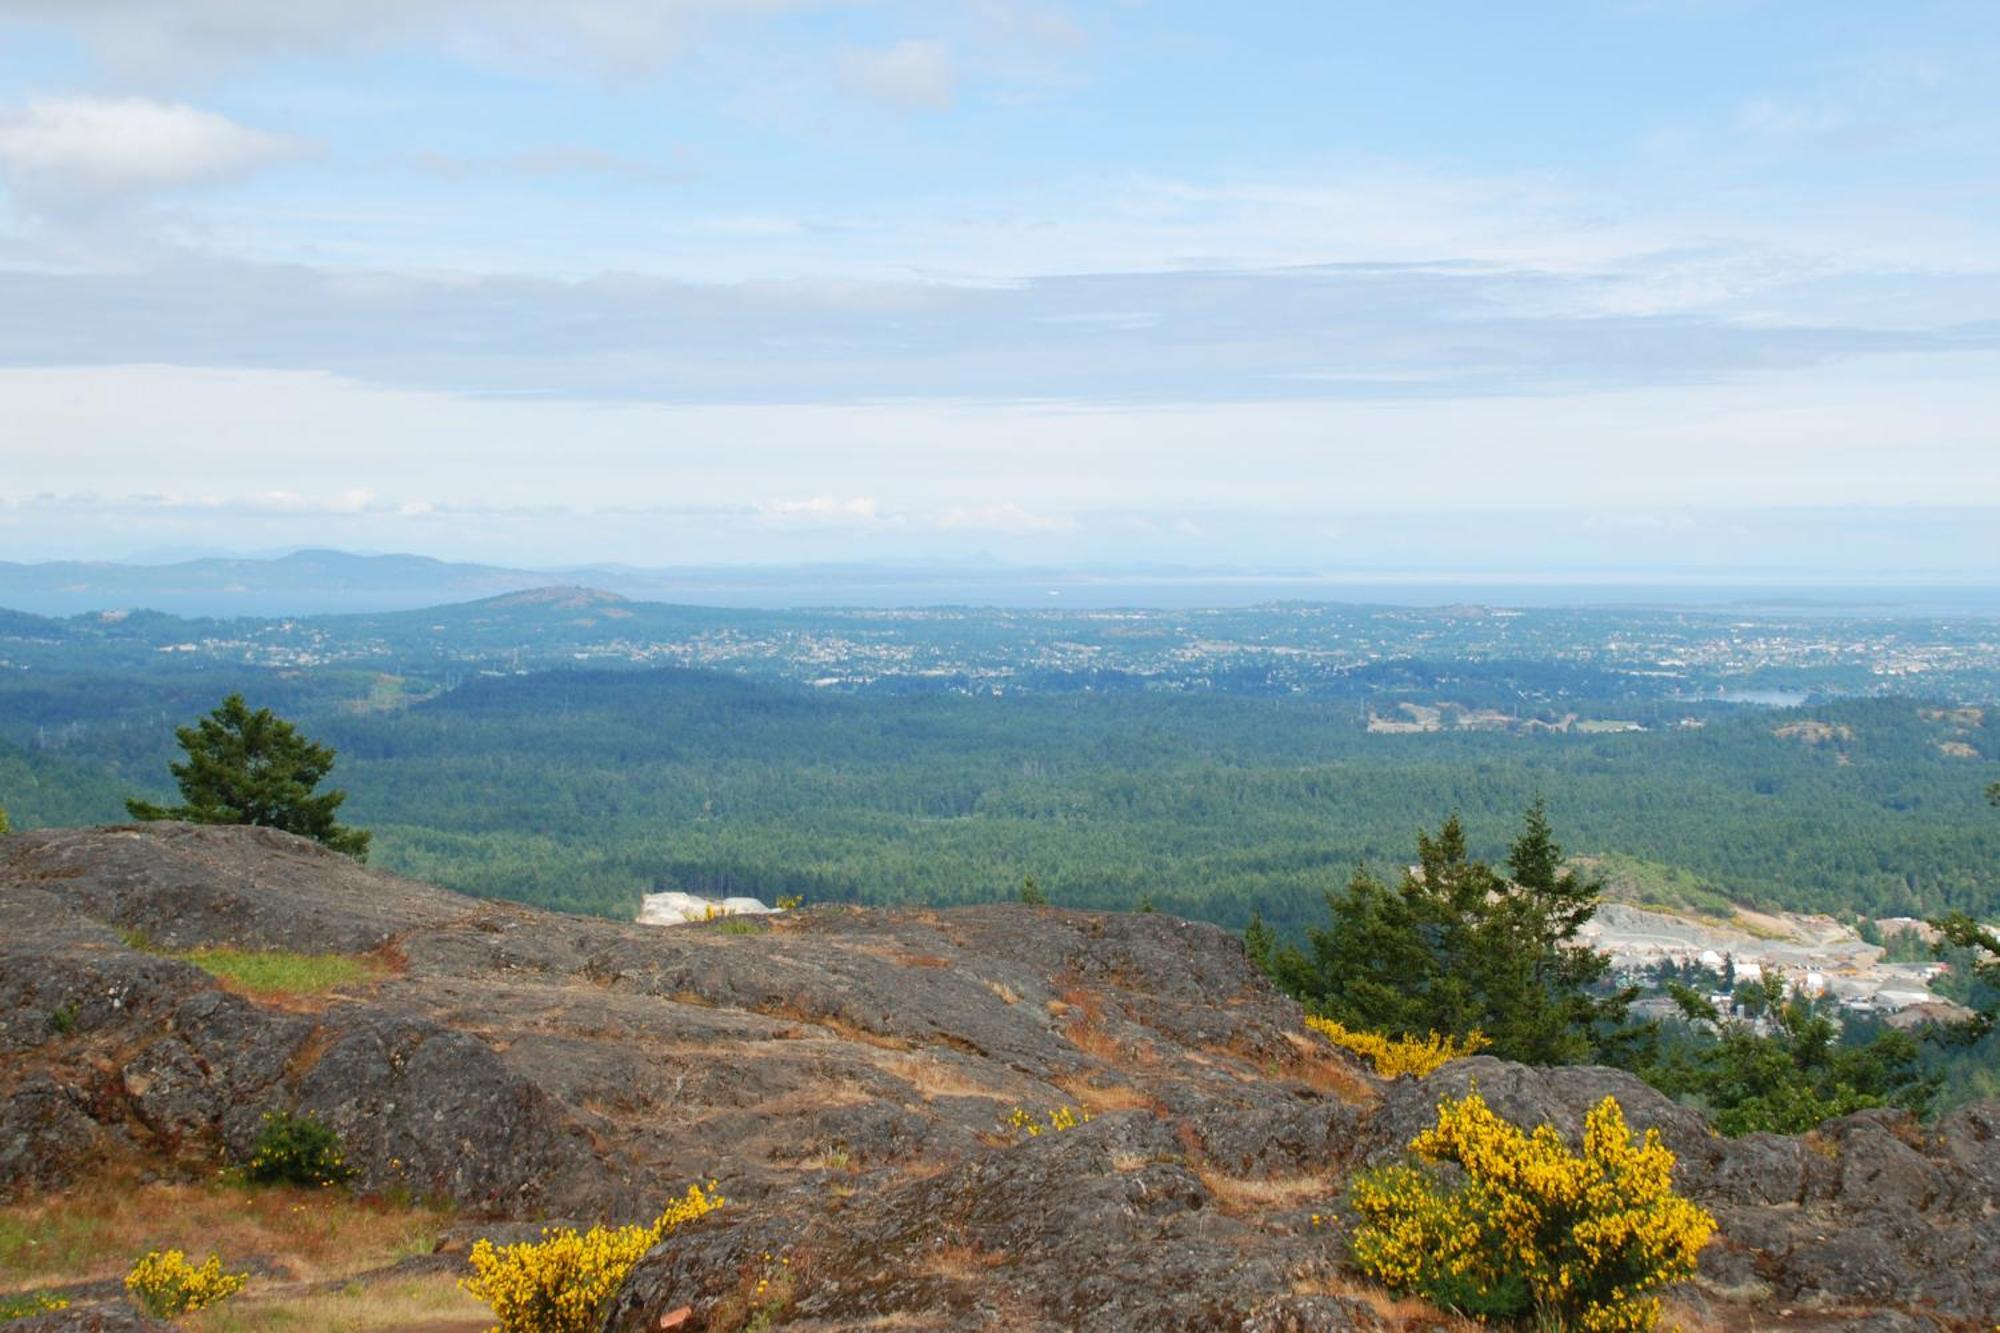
(1399, 1055)
(1532, 1226)
(165, 1284)
(563, 1282)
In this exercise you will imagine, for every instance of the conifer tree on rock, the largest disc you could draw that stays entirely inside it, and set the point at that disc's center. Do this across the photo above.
(1456, 947)
(253, 767)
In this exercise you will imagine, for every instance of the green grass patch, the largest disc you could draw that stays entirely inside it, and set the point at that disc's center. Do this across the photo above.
(281, 972)
(1657, 885)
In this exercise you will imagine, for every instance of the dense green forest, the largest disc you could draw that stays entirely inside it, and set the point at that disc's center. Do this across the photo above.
(583, 789)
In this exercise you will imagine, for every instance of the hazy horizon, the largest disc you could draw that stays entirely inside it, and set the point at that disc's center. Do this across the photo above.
(312, 581)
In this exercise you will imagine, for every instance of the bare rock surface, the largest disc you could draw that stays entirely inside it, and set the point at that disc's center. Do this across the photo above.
(849, 1078)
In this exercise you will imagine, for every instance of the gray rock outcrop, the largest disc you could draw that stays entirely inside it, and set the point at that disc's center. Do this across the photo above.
(850, 1077)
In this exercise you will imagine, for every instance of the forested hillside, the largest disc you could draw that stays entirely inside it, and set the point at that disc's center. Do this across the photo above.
(583, 789)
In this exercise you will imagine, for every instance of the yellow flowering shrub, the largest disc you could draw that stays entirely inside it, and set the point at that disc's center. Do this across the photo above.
(1399, 1055)
(27, 1303)
(563, 1282)
(1062, 1118)
(165, 1284)
(1581, 1242)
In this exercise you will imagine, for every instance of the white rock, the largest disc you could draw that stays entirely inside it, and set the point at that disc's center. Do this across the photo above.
(674, 908)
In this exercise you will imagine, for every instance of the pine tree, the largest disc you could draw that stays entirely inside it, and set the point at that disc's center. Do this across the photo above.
(1259, 942)
(247, 767)
(1455, 947)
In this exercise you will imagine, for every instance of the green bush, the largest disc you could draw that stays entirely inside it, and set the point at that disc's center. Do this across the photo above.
(166, 1285)
(297, 1150)
(1526, 1228)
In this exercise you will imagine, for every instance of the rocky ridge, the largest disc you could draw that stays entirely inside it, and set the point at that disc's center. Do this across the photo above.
(848, 1077)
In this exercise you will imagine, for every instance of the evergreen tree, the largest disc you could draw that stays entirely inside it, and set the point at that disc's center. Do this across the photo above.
(247, 767)
(1031, 893)
(1259, 942)
(1455, 947)
(1979, 949)
(1792, 1079)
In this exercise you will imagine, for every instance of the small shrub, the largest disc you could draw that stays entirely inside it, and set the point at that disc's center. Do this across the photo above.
(166, 1285)
(791, 902)
(1399, 1055)
(1060, 1119)
(563, 1282)
(62, 1020)
(1579, 1242)
(24, 1304)
(297, 1150)
(1031, 893)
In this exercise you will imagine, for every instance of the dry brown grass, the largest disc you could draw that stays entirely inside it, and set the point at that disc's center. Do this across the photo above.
(1679, 1317)
(1084, 1028)
(1320, 1069)
(1406, 1314)
(1007, 994)
(1248, 1197)
(430, 1304)
(97, 1231)
(960, 1263)
(1098, 1100)
(841, 1027)
(932, 1077)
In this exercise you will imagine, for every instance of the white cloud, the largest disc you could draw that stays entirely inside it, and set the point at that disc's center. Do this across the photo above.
(172, 39)
(1352, 331)
(860, 509)
(911, 75)
(62, 153)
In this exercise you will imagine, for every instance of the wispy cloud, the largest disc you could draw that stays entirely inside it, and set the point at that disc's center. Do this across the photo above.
(177, 39)
(1343, 331)
(824, 509)
(60, 154)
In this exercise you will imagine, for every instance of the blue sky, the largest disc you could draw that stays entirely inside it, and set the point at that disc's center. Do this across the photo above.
(1669, 286)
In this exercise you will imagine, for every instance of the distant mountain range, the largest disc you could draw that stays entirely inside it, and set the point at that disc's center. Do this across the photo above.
(328, 582)
(303, 583)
